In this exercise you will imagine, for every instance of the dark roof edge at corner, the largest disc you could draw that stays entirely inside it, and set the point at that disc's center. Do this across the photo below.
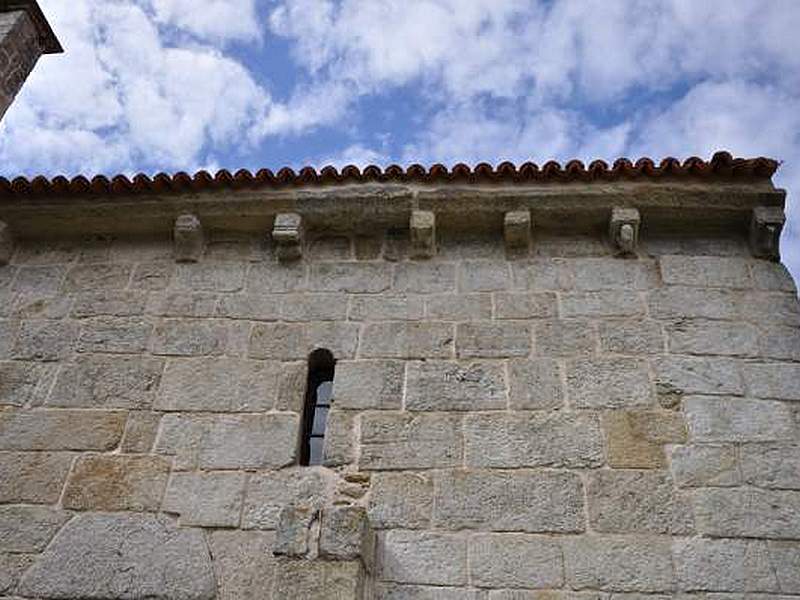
(47, 38)
(722, 167)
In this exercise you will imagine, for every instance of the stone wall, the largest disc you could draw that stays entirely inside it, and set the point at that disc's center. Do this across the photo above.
(19, 51)
(564, 424)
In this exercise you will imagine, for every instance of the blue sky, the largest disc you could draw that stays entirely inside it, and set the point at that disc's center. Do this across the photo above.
(168, 85)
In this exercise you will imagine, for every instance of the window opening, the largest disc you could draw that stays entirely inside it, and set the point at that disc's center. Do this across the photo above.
(319, 396)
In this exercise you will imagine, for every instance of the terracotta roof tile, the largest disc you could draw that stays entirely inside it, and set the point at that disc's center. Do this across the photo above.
(722, 166)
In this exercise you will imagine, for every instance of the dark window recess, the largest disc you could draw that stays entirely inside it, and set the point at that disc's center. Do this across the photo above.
(319, 392)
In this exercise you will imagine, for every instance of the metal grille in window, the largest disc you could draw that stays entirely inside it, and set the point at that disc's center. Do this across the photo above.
(319, 396)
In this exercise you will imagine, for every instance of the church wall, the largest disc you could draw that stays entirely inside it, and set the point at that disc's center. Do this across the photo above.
(565, 423)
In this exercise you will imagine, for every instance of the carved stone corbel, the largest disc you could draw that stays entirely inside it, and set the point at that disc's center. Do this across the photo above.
(287, 233)
(423, 234)
(188, 238)
(765, 231)
(624, 230)
(6, 243)
(517, 227)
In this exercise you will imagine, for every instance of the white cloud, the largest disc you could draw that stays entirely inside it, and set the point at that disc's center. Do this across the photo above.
(212, 20)
(121, 97)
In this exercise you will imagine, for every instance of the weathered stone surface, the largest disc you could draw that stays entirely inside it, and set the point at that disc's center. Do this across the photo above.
(459, 307)
(368, 384)
(705, 271)
(609, 383)
(95, 277)
(190, 337)
(210, 277)
(218, 385)
(116, 483)
(543, 274)
(513, 440)
(340, 446)
(318, 580)
(723, 565)
(44, 340)
(268, 493)
(292, 537)
(768, 275)
(636, 438)
(124, 557)
(423, 557)
(183, 304)
(345, 534)
(23, 384)
(243, 564)
(355, 278)
(637, 502)
(725, 419)
(407, 340)
(631, 337)
(33, 477)
(611, 273)
(677, 375)
(534, 502)
(12, 566)
(524, 305)
(34, 306)
(276, 278)
(405, 441)
(229, 441)
(709, 337)
(207, 499)
(780, 342)
(395, 307)
(610, 303)
(564, 338)
(771, 465)
(107, 382)
(451, 386)
(619, 563)
(152, 275)
(60, 430)
(393, 591)
(678, 302)
(484, 276)
(114, 335)
(535, 384)
(39, 280)
(314, 307)
(785, 558)
(424, 278)
(400, 500)
(293, 341)
(29, 528)
(747, 512)
(513, 560)
(493, 339)
(770, 308)
(109, 303)
(773, 380)
(705, 465)
(330, 247)
(140, 433)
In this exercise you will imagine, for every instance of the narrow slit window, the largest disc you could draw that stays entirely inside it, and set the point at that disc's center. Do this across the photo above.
(319, 395)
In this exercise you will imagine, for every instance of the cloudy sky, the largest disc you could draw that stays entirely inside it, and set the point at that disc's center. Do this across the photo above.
(167, 85)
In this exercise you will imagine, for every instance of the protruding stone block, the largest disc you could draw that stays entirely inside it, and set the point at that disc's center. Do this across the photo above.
(189, 239)
(294, 524)
(345, 534)
(765, 231)
(624, 229)
(6, 243)
(517, 227)
(423, 234)
(287, 233)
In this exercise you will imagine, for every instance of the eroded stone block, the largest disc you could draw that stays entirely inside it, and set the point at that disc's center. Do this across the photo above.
(623, 229)
(517, 227)
(422, 226)
(424, 557)
(29, 528)
(765, 231)
(207, 499)
(450, 386)
(288, 232)
(188, 238)
(515, 561)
